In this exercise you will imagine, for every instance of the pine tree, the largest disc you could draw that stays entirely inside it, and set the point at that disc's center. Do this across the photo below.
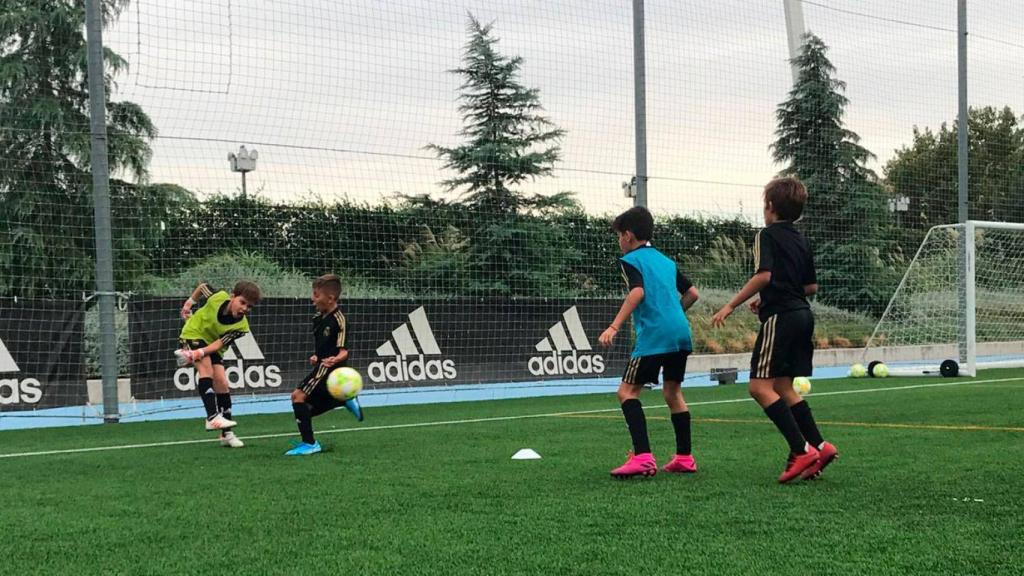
(846, 218)
(508, 140)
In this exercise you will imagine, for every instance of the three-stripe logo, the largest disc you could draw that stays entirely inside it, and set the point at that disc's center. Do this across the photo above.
(407, 360)
(12, 390)
(562, 349)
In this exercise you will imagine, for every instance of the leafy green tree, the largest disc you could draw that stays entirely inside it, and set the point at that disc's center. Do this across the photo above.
(46, 229)
(926, 173)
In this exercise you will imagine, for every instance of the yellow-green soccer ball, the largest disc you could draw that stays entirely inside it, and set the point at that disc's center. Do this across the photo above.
(880, 371)
(802, 385)
(858, 371)
(344, 383)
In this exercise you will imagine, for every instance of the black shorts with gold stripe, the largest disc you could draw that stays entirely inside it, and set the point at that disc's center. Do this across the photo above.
(315, 378)
(785, 346)
(645, 369)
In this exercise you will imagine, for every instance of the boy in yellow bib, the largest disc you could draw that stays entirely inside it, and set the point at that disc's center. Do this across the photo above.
(216, 324)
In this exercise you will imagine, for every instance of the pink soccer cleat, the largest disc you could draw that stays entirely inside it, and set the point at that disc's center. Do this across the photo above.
(637, 465)
(681, 464)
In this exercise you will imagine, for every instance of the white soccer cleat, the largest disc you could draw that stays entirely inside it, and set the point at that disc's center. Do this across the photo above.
(184, 357)
(229, 440)
(219, 422)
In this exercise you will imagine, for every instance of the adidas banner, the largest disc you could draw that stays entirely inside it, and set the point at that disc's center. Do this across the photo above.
(41, 359)
(430, 342)
(392, 343)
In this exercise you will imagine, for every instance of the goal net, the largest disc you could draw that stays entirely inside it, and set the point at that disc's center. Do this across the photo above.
(959, 307)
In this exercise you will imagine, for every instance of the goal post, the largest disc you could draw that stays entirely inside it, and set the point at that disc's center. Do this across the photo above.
(959, 306)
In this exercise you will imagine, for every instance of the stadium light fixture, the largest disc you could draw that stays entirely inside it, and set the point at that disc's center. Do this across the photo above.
(244, 162)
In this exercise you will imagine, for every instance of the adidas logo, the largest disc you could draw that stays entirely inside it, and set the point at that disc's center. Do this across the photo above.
(562, 347)
(7, 363)
(408, 361)
(248, 370)
(12, 390)
(247, 348)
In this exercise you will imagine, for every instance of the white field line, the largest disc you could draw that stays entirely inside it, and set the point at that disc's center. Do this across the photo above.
(481, 420)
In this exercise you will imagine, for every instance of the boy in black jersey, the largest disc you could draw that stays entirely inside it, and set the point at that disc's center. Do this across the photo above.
(784, 276)
(311, 398)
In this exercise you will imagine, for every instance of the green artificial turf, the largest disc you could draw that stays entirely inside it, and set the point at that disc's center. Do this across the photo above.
(929, 481)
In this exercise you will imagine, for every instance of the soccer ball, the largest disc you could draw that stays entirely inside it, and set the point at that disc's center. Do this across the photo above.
(858, 371)
(802, 385)
(344, 383)
(878, 370)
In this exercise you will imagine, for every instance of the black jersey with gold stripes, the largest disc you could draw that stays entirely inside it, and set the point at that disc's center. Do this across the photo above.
(330, 331)
(782, 250)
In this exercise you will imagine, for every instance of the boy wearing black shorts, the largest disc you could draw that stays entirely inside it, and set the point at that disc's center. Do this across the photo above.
(311, 398)
(784, 276)
(658, 297)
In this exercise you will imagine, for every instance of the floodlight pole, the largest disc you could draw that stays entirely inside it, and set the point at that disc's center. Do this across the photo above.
(640, 103)
(962, 117)
(794, 31)
(101, 208)
(965, 288)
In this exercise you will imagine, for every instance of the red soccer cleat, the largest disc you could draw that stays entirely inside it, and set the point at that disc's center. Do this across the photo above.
(797, 463)
(826, 454)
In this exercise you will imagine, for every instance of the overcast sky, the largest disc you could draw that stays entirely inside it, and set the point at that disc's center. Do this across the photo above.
(340, 97)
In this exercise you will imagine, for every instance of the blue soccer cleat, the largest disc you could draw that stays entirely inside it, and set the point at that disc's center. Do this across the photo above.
(303, 449)
(352, 405)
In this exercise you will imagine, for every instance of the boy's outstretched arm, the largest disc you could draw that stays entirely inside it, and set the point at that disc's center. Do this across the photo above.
(186, 357)
(756, 283)
(633, 299)
(810, 289)
(201, 291)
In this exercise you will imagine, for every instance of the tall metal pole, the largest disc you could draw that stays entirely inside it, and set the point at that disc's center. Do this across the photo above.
(101, 211)
(640, 102)
(964, 292)
(794, 31)
(243, 185)
(962, 119)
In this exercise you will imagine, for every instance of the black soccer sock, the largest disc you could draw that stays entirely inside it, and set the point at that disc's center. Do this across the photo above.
(808, 427)
(681, 424)
(224, 406)
(784, 421)
(304, 421)
(637, 424)
(208, 396)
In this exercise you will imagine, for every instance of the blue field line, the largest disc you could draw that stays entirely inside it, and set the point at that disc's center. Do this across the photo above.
(247, 404)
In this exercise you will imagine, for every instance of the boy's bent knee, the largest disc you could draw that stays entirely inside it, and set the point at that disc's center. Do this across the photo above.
(628, 391)
(298, 396)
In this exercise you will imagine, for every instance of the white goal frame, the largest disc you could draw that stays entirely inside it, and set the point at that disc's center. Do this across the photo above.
(966, 363)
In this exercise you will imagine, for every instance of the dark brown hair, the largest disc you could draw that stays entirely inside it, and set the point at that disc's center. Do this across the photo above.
(636, 220)
(787, 196)
(248, 290)
(329, 283)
